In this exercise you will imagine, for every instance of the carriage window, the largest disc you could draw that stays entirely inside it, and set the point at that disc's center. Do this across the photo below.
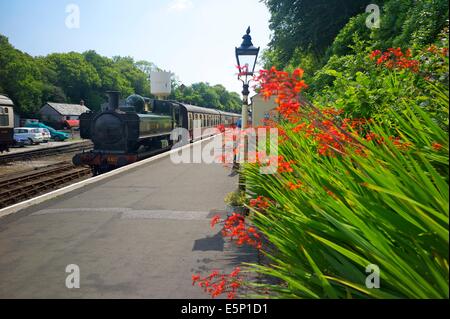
(195, 120)
(190, 121)
(4, 120)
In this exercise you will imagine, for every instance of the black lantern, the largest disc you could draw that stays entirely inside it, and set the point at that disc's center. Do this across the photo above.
(246, 56)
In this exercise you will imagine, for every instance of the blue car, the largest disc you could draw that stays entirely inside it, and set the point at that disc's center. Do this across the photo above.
(20, 141)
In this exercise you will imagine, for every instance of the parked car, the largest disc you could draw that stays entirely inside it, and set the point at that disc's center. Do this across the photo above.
(32, 135)
(20, 141)
(55, 135)
(45, 134)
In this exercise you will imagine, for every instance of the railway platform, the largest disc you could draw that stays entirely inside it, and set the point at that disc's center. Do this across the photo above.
(140, 233)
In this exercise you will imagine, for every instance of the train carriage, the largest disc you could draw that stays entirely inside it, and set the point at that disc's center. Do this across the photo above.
(6, 123)
(186, 114)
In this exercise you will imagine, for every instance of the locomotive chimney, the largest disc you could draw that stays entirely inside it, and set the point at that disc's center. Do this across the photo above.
(113, 97)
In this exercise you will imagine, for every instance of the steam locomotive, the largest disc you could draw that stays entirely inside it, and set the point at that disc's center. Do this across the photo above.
(125, 134)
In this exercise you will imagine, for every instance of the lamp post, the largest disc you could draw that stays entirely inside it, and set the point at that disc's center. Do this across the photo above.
(246, 56)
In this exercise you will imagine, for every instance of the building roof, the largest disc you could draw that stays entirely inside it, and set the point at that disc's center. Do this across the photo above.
(230, 114)
(68, 109)
(198, 109)
(5, 101)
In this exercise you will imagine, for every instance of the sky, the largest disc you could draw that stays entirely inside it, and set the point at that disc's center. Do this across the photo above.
(195, 39)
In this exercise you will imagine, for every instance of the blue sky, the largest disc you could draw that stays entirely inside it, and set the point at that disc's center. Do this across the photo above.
(193, 38)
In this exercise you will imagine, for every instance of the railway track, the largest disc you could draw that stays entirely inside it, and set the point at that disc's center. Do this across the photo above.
(24, 156)
(20, 187)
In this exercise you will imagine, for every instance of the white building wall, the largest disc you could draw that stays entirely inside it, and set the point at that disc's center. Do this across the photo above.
(262, 110)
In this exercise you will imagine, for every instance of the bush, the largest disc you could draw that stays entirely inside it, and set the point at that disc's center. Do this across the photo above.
(356, 84)
(352, 194)
(236, 198)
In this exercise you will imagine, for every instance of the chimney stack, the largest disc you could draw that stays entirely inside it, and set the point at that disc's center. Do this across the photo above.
(113, 97)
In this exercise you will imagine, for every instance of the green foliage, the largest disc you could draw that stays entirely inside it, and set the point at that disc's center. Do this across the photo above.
(355, 29)
(205, 95)
(326, 31)
(310, 25)
(363, 89)
(236, 198)
(19, 77)
(405, 23)
(388, 208)
(410, 23)
(74, 74)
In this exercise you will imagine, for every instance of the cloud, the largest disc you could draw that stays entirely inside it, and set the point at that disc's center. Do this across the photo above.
(180, 5)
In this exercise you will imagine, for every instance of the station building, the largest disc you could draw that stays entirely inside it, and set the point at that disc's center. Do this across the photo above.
(62, 115)
(263, 110)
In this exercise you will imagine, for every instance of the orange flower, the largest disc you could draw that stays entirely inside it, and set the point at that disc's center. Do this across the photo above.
(374, 54)
(394, 58)
(299, 128)
(437, 146)
(298, 73)
(215, 220)
(294, 186)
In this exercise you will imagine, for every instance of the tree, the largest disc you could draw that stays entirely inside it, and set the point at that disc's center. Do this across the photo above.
(20, 78)
(74, 75)
(308, 24)
(137, 79)
(205, 95)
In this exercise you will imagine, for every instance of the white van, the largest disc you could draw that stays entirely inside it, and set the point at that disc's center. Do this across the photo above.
(33, 135)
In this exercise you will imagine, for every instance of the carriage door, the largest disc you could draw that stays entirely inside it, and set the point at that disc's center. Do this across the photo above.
(177, 116)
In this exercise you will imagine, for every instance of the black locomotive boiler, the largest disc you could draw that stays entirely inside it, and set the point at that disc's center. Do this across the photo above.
(125, 134)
